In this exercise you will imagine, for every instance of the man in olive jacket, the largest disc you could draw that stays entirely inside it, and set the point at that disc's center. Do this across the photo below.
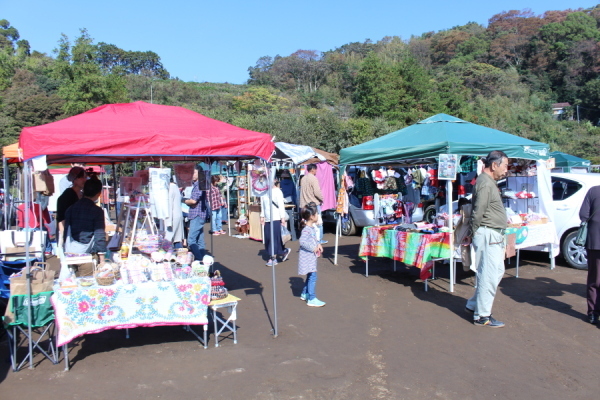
(488, 223)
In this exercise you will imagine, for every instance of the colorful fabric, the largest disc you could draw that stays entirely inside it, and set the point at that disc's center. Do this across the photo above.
(372, 242)
(432, 246)
(411, 248)
(96, 309)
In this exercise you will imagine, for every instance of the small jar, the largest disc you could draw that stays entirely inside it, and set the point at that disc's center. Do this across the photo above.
(124, 251)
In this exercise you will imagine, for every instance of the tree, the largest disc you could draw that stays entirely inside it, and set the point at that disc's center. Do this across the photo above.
(83, 84)
(259, 100)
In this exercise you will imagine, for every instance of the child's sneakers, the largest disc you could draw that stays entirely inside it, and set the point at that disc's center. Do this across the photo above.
(303, 297)
(315, 303)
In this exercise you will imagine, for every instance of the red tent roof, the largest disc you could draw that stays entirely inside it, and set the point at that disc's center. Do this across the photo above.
(141, 131)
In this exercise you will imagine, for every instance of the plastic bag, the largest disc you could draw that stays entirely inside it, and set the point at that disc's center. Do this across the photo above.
(286, 235)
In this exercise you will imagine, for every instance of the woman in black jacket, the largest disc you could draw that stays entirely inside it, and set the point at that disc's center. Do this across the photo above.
(589, 212)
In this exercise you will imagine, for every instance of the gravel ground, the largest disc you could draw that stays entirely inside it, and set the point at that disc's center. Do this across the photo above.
(381, 337)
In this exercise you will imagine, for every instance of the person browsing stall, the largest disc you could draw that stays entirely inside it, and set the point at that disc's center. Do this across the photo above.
(590, 212)
(217, 203)
(84, 223)
(488, 224)
(277, 219)
(197, 218)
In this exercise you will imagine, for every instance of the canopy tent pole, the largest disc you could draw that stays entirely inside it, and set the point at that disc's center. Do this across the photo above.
(114, 174)
(450, 226)
(337, 237)
(228, 200)
(6, 178)
(27, 181)
(270, 182)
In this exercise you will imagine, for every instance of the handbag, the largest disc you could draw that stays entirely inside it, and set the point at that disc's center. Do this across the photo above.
(286, 235)
(581, 237)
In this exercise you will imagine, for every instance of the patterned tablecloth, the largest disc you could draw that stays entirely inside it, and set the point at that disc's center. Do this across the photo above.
(98, 308)
(410, 248)
(535, 235)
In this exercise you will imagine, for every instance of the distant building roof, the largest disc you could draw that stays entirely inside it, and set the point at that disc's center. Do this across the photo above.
(561, 105)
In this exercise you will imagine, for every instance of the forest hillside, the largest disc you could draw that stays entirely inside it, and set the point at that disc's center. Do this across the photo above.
(505, 75)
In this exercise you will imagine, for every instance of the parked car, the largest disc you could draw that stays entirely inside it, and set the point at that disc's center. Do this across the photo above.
(568, 192)
(359, 216)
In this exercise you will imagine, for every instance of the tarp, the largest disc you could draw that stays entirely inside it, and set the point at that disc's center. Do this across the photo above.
(567, 161)
(141, 131)
(301, 154)
(64, 171)
(441, 134)
(12, 153)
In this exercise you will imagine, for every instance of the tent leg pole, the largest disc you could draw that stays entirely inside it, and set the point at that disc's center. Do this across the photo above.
(28, 204)
(337, 227)
(270, 194)
(451, 227)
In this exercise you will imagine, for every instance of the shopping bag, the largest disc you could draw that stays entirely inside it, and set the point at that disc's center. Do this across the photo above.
(41, 281)
(581, 237)
(286, 235)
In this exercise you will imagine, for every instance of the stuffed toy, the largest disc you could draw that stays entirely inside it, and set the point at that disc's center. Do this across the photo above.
(242, 225)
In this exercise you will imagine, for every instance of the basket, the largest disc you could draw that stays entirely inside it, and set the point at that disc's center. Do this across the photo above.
(105, 280)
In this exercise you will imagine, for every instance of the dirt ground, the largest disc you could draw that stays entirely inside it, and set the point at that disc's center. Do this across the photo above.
(381, 337)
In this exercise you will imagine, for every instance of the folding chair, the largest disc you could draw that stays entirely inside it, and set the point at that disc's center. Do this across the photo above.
(16, 324)
(42, 328)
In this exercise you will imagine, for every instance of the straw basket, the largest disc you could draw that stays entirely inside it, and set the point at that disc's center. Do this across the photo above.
(105, 280)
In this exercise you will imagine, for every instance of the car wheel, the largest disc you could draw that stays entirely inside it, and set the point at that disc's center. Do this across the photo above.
(429, 214)
(348, 227)
(574, 255)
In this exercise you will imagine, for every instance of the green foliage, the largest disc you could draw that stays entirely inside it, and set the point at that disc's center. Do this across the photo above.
(505, 76)
(83, 84)
(259, 100)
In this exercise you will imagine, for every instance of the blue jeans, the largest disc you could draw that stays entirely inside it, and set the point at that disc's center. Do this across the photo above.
(196, 238)
(216, 222)
(309, 286)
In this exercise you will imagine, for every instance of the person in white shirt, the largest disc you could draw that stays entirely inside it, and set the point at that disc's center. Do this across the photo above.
(277, 219)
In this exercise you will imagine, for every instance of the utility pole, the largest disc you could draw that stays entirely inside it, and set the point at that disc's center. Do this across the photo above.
(577, 113)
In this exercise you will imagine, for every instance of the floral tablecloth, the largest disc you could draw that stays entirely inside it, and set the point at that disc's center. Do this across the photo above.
(98, 308)
(410, 248)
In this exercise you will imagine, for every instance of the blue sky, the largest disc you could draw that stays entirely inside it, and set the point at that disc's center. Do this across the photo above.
(216, 41)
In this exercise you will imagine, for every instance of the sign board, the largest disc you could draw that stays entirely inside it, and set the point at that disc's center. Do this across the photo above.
(448, 166)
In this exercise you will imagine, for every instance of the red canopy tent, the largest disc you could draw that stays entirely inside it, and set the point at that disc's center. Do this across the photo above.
(141, 131)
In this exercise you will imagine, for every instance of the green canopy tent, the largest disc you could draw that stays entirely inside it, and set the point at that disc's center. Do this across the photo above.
(441, 134)
(424, 141)
(565, 162)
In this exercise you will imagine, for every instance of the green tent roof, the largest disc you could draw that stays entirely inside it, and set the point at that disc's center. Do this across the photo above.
(567, 160)
(441, 134)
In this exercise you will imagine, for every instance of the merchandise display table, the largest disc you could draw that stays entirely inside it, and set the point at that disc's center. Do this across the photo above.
(229, 303)
(80, 311)
(535, 235)
(411, 248)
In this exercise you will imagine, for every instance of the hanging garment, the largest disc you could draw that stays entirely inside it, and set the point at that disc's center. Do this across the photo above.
(174, 222)
(327, 185)
(364, 187)
(159, 191)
